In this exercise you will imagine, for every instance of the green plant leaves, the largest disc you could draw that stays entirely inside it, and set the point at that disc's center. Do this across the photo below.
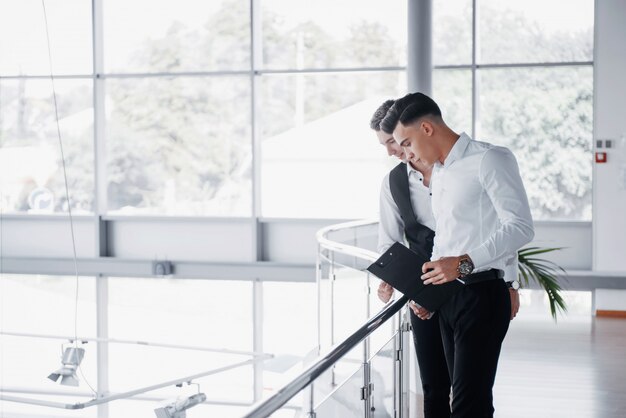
(544, 273)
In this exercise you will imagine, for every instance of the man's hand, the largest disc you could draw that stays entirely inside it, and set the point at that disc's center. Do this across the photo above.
(442, 271)
(514, 302)
(385, 290)
(421, 313)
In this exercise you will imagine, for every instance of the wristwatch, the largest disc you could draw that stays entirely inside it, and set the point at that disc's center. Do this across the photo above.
(466, 266)
(515, 285)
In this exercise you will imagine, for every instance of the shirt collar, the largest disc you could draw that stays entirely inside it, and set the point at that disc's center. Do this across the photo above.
(458, 149)
(410, 170)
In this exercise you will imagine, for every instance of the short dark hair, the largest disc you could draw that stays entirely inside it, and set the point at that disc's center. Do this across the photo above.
(380, 113)
(408, 109)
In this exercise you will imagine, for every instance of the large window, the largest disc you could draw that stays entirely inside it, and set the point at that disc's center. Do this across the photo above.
(261, 107)
(179, 83)
(180, 89)
(325, 75)
(31, 168)
(320, 157)
(330, 34)
(178, 107)
(23, 41)
(547, 122)
(163, 36)
(179, 145)
(31, 171)
(523, 78)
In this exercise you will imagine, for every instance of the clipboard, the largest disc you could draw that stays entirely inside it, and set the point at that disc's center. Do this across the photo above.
(402, 269)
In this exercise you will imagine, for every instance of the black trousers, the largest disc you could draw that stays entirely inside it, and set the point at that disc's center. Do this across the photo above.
(473, 325)
(432, 364)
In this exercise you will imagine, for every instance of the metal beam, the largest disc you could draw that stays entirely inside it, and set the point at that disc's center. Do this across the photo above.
(114, 267)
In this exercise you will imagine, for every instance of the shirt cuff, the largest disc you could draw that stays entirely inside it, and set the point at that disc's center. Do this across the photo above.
(480, 257)
(430, 313)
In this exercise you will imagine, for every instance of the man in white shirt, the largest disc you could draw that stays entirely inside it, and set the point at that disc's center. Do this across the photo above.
(482, 218)
(405, 212)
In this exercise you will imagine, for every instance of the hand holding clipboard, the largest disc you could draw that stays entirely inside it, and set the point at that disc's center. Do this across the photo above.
(402, 268)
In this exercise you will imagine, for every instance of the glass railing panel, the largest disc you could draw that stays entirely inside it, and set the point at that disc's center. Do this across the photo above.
(342, 370)
(362, 236)
(290, 411)
(349, 305)
(379, 338)
(382, 375)
(346, 400)
(414, 389)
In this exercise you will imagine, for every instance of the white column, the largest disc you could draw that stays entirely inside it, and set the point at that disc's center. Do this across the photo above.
(609, 179)
(257, 331)
(100, 204)
(420, 61)
(102, 330)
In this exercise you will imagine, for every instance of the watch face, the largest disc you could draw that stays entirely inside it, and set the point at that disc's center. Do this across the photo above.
(515, 285)
(465, 267)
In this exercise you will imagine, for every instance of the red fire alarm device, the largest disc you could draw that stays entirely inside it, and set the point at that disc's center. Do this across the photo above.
(600, 157)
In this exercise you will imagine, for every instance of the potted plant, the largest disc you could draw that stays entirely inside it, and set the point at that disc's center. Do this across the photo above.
(544, 273)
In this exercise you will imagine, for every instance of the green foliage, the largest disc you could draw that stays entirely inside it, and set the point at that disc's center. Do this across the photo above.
(544, 116)
(544, 273)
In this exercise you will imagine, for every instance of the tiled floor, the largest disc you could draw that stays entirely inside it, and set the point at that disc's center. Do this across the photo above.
(575, 368)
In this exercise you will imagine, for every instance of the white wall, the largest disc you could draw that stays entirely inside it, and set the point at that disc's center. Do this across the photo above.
(610, 299)
(573, 237)
(609, 183)
(609, 205)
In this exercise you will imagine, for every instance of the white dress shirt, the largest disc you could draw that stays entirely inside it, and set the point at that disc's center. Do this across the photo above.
(480, 206)
(391, 226)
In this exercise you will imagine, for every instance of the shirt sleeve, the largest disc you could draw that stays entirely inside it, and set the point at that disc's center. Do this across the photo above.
(391, 225)
(501, 180)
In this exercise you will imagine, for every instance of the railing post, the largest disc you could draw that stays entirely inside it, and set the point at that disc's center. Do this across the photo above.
(401, 369)
(405, 337)
(367, 372)
(318, 283)
(368, 292)
(257, 337)
(311, 413)
(331, 286)
(398, 369)
(366, 390)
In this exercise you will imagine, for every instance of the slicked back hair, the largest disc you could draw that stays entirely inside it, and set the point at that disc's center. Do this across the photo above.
(380, 113)
(409, 109)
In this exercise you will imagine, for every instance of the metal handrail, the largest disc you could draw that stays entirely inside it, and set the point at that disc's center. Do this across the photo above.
(289, 390)
(346, 249)
(128, 394)
(270, 405)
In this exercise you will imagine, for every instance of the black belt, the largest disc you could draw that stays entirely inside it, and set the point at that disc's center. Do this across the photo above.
(483, 276)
